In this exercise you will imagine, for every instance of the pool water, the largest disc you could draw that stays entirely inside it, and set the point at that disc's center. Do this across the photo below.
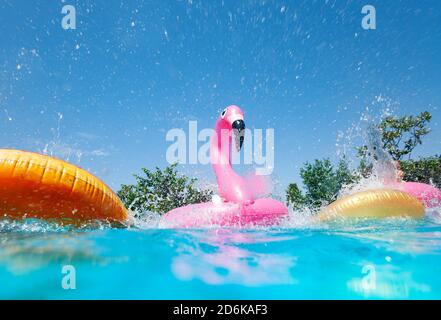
(396, 258)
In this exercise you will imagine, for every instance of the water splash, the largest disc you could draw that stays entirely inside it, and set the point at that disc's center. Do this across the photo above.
(57, 148)
(382, 170)
(33, 226)
(145, 220)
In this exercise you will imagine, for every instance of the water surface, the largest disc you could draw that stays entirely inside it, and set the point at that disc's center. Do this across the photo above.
(395, 258)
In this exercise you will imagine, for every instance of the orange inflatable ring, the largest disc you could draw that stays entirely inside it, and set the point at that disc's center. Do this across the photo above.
(379, 203)
(38, 186)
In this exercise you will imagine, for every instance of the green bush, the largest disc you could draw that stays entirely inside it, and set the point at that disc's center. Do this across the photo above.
(401, 135)
(295, 197)
(322, 181)
(161, 191)
(426, 170)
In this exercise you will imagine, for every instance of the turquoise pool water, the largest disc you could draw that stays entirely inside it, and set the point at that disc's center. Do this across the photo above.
(396, 258)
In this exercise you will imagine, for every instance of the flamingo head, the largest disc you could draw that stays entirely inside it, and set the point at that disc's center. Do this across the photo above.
(232, 117)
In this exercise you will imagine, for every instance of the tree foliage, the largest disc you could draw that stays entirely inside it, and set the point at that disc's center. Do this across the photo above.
(161, 191)
(322, 181)
(426, 170)
(295, 197)
(400, 135)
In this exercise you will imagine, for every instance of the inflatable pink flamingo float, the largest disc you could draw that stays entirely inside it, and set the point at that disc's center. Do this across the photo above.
(239, 204)
(427, 194)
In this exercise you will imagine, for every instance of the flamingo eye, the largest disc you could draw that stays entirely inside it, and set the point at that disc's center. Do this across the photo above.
(224, 113)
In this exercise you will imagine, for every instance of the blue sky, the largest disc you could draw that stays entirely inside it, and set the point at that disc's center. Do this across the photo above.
(104, 95)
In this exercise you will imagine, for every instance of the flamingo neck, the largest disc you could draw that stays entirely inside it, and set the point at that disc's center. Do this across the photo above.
(220, 150)
(232, 187)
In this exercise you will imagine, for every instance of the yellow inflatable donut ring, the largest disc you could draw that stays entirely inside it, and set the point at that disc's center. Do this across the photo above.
(38, 186)
(379, 203)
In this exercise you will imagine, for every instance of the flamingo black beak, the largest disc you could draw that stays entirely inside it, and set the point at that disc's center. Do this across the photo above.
(239, 133)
